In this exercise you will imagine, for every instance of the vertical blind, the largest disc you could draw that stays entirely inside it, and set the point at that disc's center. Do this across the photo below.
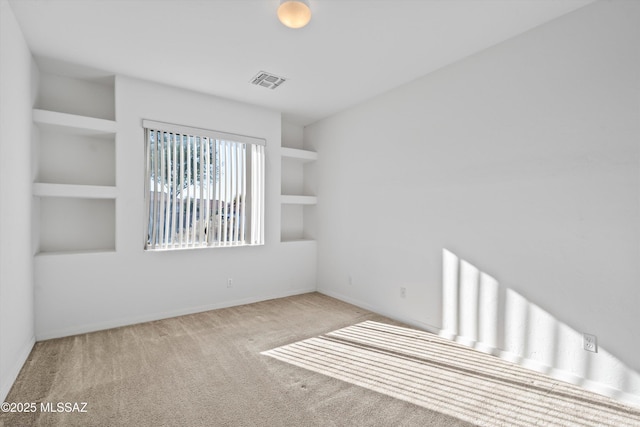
(203, 188)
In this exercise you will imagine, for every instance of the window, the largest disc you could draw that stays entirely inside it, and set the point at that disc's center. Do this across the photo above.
(203, 188)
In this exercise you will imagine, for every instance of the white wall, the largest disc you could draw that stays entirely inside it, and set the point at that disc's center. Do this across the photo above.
(523, 162)
(84, 292)
(16, 277)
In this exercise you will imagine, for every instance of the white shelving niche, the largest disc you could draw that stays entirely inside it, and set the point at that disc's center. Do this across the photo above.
(74, 160)
(297, 200)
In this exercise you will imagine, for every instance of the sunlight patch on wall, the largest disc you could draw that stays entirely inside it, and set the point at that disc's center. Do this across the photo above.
(479, 312)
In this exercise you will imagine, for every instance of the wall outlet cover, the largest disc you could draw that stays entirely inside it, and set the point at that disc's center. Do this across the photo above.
(590, 342)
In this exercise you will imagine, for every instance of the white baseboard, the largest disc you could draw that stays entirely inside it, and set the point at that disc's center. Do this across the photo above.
(10, 378)
(361, 304)
(116, 323)
(561, 375)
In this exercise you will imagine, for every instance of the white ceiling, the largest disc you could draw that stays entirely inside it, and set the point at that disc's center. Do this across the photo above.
(351, 51)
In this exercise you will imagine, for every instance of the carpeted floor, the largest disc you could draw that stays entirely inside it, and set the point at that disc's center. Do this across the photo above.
(297, 361)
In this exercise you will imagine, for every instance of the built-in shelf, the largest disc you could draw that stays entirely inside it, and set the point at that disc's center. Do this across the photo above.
(297, 154)
(76, 252)
(74, 225)
(75, 205)
(298, 200)
(299, 240)
(73, 123)
(72, 190)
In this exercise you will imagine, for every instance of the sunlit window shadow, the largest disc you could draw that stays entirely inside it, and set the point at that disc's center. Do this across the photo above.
(443, 376)
(483, 314)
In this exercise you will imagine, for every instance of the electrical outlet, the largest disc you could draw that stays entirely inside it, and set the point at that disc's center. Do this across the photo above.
(350, 280)
(403, 292)
(590, 343)
(229, 282)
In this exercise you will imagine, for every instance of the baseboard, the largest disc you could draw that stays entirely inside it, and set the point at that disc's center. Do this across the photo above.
(10, 378)
(628, 398)
(361, 304)
(116, 323)
(561, 375)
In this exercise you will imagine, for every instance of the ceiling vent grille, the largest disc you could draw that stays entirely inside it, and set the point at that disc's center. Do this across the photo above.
(268, 80)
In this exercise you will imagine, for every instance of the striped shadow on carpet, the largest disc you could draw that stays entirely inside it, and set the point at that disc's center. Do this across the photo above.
(440, 375)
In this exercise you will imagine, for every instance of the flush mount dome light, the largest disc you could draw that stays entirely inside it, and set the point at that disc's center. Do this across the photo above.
(294, 13)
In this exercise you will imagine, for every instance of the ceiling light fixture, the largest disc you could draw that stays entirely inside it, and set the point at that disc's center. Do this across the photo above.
(294, 13)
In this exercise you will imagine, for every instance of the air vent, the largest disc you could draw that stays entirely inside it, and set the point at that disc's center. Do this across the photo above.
(268, 80)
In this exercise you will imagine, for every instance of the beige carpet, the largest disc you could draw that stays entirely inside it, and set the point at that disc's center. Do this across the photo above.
(446, 377)
(307, 360)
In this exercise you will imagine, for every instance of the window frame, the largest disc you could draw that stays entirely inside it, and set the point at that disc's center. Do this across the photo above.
(247, 165)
